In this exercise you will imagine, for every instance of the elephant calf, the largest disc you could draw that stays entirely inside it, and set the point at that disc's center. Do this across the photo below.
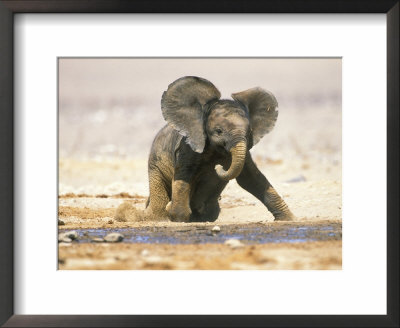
(204, 145)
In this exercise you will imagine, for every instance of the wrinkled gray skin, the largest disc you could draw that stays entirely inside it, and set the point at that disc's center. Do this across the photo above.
(205, 144)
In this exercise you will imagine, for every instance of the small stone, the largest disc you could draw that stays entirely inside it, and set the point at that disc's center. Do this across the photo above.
(299, 178)
(69, 234)
(73, 235)
(97, 240)
(144, 253)
(64, 239)
(234, 243)
(216, 229)
(61, 222)
(113, 237)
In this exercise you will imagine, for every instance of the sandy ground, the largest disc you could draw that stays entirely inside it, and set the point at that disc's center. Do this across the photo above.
(97, 187)
(300, 256)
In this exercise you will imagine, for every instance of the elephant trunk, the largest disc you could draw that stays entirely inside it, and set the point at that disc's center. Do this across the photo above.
(238, 153)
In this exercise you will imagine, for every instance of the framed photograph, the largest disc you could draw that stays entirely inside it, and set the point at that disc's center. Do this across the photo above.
(203, 164)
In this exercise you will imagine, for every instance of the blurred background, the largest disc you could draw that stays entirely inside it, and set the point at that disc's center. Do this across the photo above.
(111, 107)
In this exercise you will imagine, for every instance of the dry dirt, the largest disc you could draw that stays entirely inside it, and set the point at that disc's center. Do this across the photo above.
(325, 255)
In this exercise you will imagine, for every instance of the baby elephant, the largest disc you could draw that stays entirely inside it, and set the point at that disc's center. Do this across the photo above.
(205, 144)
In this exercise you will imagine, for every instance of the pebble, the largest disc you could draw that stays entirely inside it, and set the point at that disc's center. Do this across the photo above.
(61, 222)
(67, 237)
(114, 237)
(97, 240)
(299, 178)
(234, 243)
(216, 229)
(71, 234)
(145, 253)
(64, 239)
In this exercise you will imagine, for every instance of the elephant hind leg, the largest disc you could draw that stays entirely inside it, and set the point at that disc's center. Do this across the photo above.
(155, 203)
(160, 196)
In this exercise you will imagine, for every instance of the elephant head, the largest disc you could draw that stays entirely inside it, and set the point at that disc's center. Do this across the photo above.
(193, 107)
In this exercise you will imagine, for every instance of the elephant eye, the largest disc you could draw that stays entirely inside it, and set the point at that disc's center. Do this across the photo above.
(218, 131)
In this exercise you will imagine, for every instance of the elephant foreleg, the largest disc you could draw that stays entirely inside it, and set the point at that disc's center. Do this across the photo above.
(252, 180)
(179, 206)
(186, 165)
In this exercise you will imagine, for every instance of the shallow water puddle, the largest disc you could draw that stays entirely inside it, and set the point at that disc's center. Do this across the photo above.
(247, 233)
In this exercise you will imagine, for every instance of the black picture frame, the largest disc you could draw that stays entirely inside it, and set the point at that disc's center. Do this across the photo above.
(10, 7)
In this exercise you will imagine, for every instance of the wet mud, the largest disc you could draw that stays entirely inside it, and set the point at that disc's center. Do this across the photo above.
(246, 233)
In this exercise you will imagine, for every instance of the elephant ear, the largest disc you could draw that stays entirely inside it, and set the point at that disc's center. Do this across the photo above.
(183, 108)
(262, 106)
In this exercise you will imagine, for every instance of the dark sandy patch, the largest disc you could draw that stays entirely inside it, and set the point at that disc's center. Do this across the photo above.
(85, 213)
(119, 195)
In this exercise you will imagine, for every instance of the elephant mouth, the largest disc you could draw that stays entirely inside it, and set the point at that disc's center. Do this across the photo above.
(221, 150)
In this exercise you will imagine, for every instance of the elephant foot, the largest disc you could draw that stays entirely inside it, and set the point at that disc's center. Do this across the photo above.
(178, 213)
(285, 217)
(206, 213)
